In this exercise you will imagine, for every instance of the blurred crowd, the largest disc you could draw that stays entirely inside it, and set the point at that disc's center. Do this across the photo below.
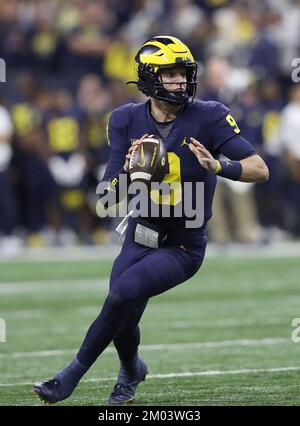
(67, 64)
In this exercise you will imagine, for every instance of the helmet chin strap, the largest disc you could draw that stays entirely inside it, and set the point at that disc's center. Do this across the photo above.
(176, 97)
(175, 101)
(176, 94)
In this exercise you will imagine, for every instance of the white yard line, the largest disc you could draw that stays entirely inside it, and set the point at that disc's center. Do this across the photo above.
(51, 285)
(227, 322)
(184, 374)
(22, 314)
(110, 251)
(162, 347)
(65, 254)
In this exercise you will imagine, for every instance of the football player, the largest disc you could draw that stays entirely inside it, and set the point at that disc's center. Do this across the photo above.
(194, 133)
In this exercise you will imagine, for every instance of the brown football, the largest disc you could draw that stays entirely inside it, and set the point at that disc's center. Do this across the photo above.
(149, 162)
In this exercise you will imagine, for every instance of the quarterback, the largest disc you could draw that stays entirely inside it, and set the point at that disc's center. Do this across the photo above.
(195, 134)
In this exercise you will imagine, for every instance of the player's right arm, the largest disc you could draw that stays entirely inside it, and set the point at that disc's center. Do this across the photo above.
(118, 162)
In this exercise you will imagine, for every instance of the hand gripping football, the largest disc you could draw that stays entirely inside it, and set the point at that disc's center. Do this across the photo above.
(149, 162)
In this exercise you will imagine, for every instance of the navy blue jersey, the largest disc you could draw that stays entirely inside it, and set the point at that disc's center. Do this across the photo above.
(208, 122)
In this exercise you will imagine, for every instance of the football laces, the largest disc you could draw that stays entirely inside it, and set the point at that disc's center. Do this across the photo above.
(131, 160)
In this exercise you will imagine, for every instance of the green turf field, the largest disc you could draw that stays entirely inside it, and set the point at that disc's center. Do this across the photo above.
(222, 338)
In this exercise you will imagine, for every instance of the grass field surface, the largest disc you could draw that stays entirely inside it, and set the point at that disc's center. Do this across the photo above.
(222, 338)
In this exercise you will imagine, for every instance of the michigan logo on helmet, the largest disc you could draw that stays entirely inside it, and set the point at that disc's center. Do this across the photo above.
(157, 54)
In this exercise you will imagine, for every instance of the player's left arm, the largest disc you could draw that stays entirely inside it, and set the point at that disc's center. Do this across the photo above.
(252, 168)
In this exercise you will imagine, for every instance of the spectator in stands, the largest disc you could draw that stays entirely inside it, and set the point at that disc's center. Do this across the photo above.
(289, 133)
(84, 46)
(9, 244)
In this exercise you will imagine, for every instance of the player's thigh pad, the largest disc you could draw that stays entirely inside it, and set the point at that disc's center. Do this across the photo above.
(157, 272)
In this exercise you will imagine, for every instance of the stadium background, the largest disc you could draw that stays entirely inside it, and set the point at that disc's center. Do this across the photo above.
(67, 63)
(226, 336)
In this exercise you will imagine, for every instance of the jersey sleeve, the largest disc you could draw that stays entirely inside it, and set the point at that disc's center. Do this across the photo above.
(118, 142)
(226, 136)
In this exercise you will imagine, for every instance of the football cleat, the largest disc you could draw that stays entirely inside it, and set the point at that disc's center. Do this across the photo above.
(124, 390)
(52, 391)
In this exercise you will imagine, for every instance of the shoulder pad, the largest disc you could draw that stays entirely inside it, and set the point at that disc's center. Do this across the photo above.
(121, 116)
(212, 107)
